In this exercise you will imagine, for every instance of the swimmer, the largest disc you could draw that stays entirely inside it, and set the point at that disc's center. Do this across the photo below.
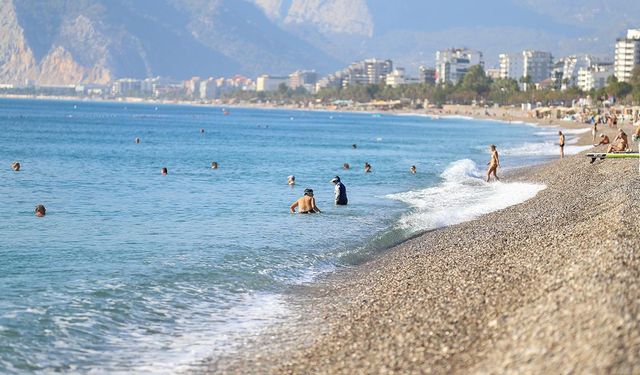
(201, 130)
(306, 204)
(493, 164)
(291, 180)
(40, 210)
(214, 165)
(354, 146)
(340, 193)
(346, 166)
(561, 140)
(164, 171)
(15, 166)
(137, 140)
(413, 169)
(367, 168)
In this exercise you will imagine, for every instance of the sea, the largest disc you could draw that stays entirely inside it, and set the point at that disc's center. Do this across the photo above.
(134, 271)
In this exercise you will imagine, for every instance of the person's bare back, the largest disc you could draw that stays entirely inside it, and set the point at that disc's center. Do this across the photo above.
(306, 204)
(494, 163)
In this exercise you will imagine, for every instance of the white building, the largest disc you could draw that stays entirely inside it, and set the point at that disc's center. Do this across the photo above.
(303, 78)
(270, 83)
(396, 78)
(536, 65)
(627, 55)
(452, 64)
(567, 68)
(594, 77)
(367, 72)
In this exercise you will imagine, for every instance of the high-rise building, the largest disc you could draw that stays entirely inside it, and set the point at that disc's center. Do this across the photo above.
(303, 78)
(270, 83)
(367, 72)
(536, 65)
(565, 71)
(594, 77)
(427, 75)
(627, 55)
(126, 86)
(452, 64)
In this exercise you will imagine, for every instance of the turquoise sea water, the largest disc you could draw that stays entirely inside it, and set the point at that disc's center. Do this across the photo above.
(134, 271)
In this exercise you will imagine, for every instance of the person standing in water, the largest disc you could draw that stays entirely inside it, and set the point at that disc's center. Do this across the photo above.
(340, 193)
(306, 204)
(413, 169)
(367, 168)
(15, 166)
(561, 140)
(493, 164)
(291, 180)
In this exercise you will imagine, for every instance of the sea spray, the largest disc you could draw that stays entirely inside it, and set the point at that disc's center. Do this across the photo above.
(462, 195)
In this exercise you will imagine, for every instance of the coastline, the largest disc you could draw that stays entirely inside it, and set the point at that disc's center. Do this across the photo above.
(549, 285)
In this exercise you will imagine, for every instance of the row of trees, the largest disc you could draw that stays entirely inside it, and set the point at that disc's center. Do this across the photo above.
(474, 86)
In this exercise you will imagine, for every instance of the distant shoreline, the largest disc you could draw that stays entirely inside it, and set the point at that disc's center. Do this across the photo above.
(502, 114)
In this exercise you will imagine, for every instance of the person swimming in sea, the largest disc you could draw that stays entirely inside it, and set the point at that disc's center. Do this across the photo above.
(164, 171)
(367, 168)
(340, 192)
(291, 180)
(15, 166)
(413, 169)
(40, 211)
(214, 165)
(306, 204)
(354, 146)
(493, 164)
(346, 166)
(137, 140)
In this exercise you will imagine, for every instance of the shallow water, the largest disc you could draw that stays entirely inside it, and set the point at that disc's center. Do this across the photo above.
(134, 271)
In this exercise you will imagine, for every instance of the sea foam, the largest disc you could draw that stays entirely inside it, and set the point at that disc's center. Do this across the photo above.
(463, 195)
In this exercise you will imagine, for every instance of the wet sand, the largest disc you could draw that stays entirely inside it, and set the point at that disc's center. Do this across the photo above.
(551, 285)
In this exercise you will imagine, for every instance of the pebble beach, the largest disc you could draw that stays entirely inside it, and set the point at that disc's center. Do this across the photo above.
(547, 286)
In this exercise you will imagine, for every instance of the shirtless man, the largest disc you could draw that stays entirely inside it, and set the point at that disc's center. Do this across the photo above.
(493, 164)
(367, 168)
(15, 166)
(621, 143)
(306, 204)
(604, 140)
(561, 144)
(291, 180)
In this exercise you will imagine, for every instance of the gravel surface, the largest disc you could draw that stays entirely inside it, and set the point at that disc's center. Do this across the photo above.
(548, 286)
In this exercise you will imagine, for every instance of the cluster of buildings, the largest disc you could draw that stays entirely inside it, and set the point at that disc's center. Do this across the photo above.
(529, 68)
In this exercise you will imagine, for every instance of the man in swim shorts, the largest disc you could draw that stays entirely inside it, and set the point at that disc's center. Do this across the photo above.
(306, 204)
(562, 141)
(493, 164)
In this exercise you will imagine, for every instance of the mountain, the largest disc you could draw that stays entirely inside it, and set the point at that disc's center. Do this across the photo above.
(80, 41)
(72, 41)
(411, 31)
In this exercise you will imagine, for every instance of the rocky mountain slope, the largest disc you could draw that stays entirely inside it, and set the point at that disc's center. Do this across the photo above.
(80, 41)
(73, 41)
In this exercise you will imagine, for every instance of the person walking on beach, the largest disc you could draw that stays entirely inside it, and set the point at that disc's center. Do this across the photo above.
(493, 164)
(306, 204)
(594, 131)
(340, 192)
(562, 141)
